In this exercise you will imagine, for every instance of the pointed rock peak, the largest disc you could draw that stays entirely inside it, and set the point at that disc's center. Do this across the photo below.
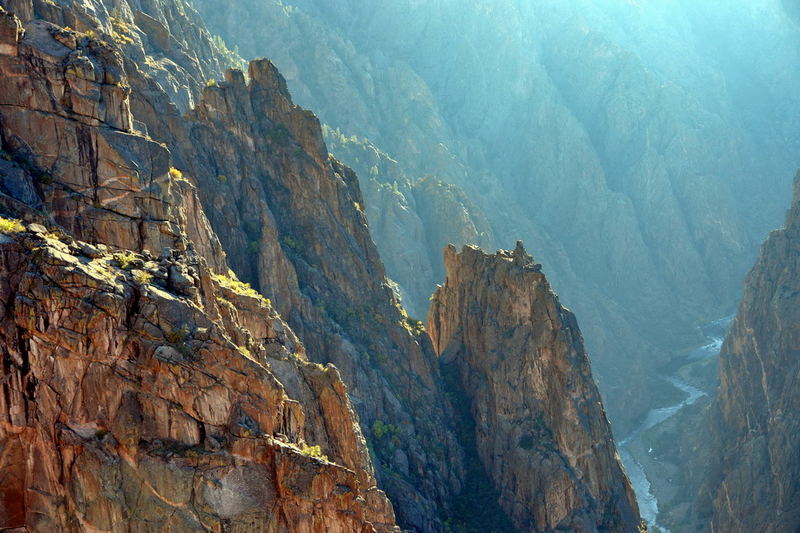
(517, 356)
(264, 73)
(521, 257)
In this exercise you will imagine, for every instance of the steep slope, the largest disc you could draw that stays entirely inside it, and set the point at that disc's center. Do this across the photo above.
(624, 140)
(541, 431)
(141, 391)
(755, 477)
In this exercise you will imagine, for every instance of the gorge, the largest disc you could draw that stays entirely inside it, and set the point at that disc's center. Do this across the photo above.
(214, 266)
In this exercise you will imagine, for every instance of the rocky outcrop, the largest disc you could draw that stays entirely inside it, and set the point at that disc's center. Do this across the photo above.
(291, 220)
(540, 428)
(754, 484)
(144, 390)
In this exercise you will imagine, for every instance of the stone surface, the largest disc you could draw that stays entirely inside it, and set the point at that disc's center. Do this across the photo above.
(540, 428)
(754, 481)
(145, 393)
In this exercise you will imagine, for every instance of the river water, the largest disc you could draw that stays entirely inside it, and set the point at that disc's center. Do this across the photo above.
(648, 503)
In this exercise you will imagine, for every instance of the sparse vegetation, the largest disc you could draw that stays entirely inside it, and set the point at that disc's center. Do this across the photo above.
(178, 335)
(10, 225)
(222, 178)
(231, 282)
(127, 260)
(380, 429)
(313, 451)
(142, 277)
(292, 243)
(123, 32)
(211, 83)
(245, 351)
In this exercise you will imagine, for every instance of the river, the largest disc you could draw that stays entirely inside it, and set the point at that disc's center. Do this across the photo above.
(648, 502)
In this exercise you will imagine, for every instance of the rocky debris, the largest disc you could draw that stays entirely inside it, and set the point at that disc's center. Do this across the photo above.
(754, 481)
(540, 428)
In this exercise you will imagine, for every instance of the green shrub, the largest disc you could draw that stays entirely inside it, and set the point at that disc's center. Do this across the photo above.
(126, 260)
(142, 277)
(313, 451)
(10, 225)
(380, 429)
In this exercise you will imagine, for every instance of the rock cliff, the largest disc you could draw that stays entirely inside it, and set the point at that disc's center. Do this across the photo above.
(754, 484)
(540, 428)
(144, 390)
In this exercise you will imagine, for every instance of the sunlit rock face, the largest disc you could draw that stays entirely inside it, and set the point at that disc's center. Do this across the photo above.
(144, 387)
(754, 483)
(540, 428)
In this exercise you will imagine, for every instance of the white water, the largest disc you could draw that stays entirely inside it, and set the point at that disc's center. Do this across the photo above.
(648, 503)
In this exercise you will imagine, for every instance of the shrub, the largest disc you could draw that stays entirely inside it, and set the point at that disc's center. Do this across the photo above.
(175, 173)
(178, 335)
(231, 282)
(245, 351)
(313, 451)
(293, 244)
(142, 277)
(380, 429)
(10, 225)
(126, 259)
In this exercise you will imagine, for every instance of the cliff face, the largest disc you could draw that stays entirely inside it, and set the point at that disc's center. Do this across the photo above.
(144, 390)
(292, 221)
(540, 428)
(755, 478)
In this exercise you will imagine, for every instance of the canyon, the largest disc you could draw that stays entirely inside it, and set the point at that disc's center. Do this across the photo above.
(197, 330)
(213, 266)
